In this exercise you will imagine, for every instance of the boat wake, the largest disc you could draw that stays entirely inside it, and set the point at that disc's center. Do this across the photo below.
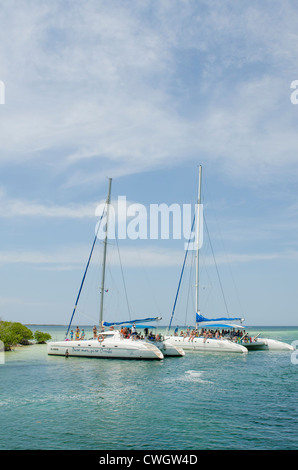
(195, 376)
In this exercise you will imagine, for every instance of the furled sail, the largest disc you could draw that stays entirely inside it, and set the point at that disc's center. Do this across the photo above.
(200, 318)
(143, 320)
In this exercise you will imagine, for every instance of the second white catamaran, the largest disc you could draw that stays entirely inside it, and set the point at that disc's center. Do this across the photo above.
(200, 342)
(225, 339)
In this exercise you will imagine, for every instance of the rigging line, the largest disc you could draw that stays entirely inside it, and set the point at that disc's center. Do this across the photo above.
(82, 314)
(181, 275)
(189, 291)
(206, 299)
(227, 310)
(124, 284)
(86, 269)
(229, 264)
(148, 280)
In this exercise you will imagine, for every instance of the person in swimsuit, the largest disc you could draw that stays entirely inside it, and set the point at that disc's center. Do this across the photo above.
(77, 333)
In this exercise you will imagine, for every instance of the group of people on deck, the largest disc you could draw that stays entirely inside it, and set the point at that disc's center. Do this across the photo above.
(234, 335)
(78, 335)
(126, 332)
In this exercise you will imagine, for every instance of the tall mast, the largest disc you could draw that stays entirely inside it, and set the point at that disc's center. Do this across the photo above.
(104, 257)
(198, 238)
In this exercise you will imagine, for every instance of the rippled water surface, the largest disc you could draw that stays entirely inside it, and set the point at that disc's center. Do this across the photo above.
(200, 401)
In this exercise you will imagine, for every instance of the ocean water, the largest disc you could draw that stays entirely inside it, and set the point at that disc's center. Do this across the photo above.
(199, 401)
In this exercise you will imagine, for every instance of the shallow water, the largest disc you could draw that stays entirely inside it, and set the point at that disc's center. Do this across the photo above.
(199, 401)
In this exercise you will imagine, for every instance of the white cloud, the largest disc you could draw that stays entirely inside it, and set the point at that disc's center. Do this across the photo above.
(63, 258)
(35, 257)
(10, 207)
(137, 84)
(69, 257)
(114, 88)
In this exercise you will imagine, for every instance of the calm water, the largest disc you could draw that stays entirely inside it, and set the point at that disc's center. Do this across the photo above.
(200, 401)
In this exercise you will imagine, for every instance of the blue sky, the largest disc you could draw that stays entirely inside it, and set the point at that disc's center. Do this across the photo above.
(144, 92)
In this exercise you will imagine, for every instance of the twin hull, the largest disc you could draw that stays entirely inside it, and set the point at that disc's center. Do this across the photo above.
(171, 346)
(224, 345)
(124, 349)
(169, 349)
(266, 344)
(202, 344)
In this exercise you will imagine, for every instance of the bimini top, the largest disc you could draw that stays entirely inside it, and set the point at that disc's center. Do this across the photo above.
(131, 322)
(223, 325)
(217, 322)
(200, 318)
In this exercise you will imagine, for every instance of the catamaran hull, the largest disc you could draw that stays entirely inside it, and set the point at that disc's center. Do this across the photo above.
(169, 350)
(207, 345)
(106, 349)
(266, 344)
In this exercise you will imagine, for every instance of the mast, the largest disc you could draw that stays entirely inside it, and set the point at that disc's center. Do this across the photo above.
(104, 257)
(198, 239)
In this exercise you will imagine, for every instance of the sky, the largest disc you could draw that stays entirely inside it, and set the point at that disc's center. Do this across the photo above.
(144, 91)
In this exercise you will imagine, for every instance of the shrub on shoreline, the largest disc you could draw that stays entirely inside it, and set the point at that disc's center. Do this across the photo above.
(41, 337)
(12, 333)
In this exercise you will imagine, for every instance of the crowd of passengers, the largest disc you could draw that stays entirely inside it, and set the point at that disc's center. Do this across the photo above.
(234, 335)
(126, 332)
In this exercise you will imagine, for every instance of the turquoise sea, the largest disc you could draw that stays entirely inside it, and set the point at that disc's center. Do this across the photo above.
(199, 401)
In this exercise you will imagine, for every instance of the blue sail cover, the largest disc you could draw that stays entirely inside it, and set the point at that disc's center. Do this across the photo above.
(200, 318)
(143, 320)
(223, 325)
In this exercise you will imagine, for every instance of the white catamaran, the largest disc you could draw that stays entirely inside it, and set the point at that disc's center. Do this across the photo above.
(229, 336)
(108, 344)
(157, 340)
(199, 341)
(238, 332)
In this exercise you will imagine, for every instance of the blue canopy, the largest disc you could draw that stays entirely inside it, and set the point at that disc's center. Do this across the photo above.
(200, 318)
(222, 325)
(144, 320)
